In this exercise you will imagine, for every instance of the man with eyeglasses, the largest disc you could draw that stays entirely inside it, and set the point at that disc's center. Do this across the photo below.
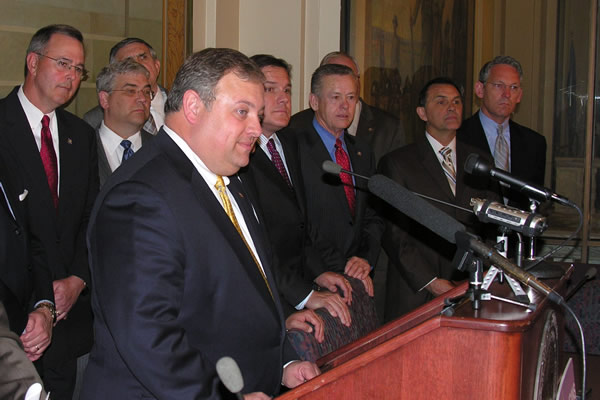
(138, 50)
(124, 93)
(515, 148)
(56, 175)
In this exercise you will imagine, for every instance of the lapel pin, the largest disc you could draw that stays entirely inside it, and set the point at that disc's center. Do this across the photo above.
(241, 195)
(359, 153)
(370, 129)
(69, 141)
(23, 195)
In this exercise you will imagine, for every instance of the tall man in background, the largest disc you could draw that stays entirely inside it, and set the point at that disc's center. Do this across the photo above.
(515, 148)
(56, 165)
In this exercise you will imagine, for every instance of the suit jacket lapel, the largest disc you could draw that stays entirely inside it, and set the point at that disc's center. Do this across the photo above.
(215, 211)
(104, 170)
(20, 136)
(432, 165)
(290, 150)
(365, 127)
(258, 237)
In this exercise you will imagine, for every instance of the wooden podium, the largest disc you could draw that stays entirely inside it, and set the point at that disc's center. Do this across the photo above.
(501, 351)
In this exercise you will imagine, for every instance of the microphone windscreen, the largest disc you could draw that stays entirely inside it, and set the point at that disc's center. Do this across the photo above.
(590, 273)
(331, 168)
(471, 161)
(230, 374)
(414, 207)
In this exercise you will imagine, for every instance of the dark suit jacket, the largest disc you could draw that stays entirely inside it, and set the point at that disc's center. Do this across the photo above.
(326, 204)
(177, 289)
(22, 283)
(527, 153)
(416, 254)
(380, 129)
(104, 170)
(61, 232)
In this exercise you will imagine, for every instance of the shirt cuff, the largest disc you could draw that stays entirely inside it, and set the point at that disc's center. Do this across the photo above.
(428, 283)
(301, 305)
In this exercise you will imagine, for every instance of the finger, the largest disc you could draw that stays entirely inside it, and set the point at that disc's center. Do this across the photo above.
(368, 283)
(340, 309)
(319, 330)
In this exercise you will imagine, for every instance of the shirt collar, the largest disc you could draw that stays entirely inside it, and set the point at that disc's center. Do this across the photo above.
(34, 115)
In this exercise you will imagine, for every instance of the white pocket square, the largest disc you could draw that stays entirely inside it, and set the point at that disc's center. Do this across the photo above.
(23, 195)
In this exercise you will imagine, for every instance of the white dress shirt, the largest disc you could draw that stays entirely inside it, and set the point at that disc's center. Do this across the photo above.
(157, 109)
(111, 142)
(34, 117)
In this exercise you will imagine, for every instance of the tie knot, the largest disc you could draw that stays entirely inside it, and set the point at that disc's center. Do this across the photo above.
(126, 144)
(271, 145)
(500, 130)
(220, 185)
(338, 143)
(45, 121)
(446, 153)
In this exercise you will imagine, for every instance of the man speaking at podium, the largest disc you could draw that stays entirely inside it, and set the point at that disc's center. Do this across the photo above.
(181, 268)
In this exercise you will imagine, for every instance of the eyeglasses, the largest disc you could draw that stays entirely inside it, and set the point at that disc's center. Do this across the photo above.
(131, 92)
(65, 65)
(501, 87)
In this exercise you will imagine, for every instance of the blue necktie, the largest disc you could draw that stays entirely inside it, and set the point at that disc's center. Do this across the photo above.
(128, 152)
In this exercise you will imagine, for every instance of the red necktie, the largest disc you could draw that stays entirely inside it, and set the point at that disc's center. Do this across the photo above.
(48, 156)
(342, 159)
(276, 158)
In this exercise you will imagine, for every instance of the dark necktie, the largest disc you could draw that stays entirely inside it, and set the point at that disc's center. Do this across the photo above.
(342, 159)
(276, 158)
(128, 152)
(48, 156)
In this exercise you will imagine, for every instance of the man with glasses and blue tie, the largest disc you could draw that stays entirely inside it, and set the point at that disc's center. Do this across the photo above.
(55, 165)
(124, 93)
(515, 148)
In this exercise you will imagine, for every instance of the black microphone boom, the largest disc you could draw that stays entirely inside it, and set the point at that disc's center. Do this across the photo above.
(421, 211)
(476, 166)
(335, 169)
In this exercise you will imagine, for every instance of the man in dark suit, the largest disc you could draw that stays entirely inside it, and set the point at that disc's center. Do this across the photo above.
(274, 174)
(188, 278)
(124, 93)
(339, 207)
(56, 164)
(25, 287)
(138, 50)
(421, 264)
(380, 129)
(518, 149)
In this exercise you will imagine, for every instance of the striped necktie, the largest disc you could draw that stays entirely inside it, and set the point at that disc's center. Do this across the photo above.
(448, 167)
(501, 150)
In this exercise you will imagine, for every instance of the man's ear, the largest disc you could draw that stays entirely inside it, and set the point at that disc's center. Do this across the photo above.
(479, 89)
(313, 101)
(103, 99)
(422, 113)
(32, 61)
(192, 106)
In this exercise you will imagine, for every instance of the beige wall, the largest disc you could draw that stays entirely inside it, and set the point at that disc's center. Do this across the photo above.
(102, 22)
(299, 31)
(525, 30)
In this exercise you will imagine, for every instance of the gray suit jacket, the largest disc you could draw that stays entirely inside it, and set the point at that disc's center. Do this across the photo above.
(104, 170)
(18, 373)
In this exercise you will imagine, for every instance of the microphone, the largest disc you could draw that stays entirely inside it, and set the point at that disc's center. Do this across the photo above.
(450, 229)
(476, 166)
(335, 169)
(409, 204)
(231, 376)
(529, 224)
